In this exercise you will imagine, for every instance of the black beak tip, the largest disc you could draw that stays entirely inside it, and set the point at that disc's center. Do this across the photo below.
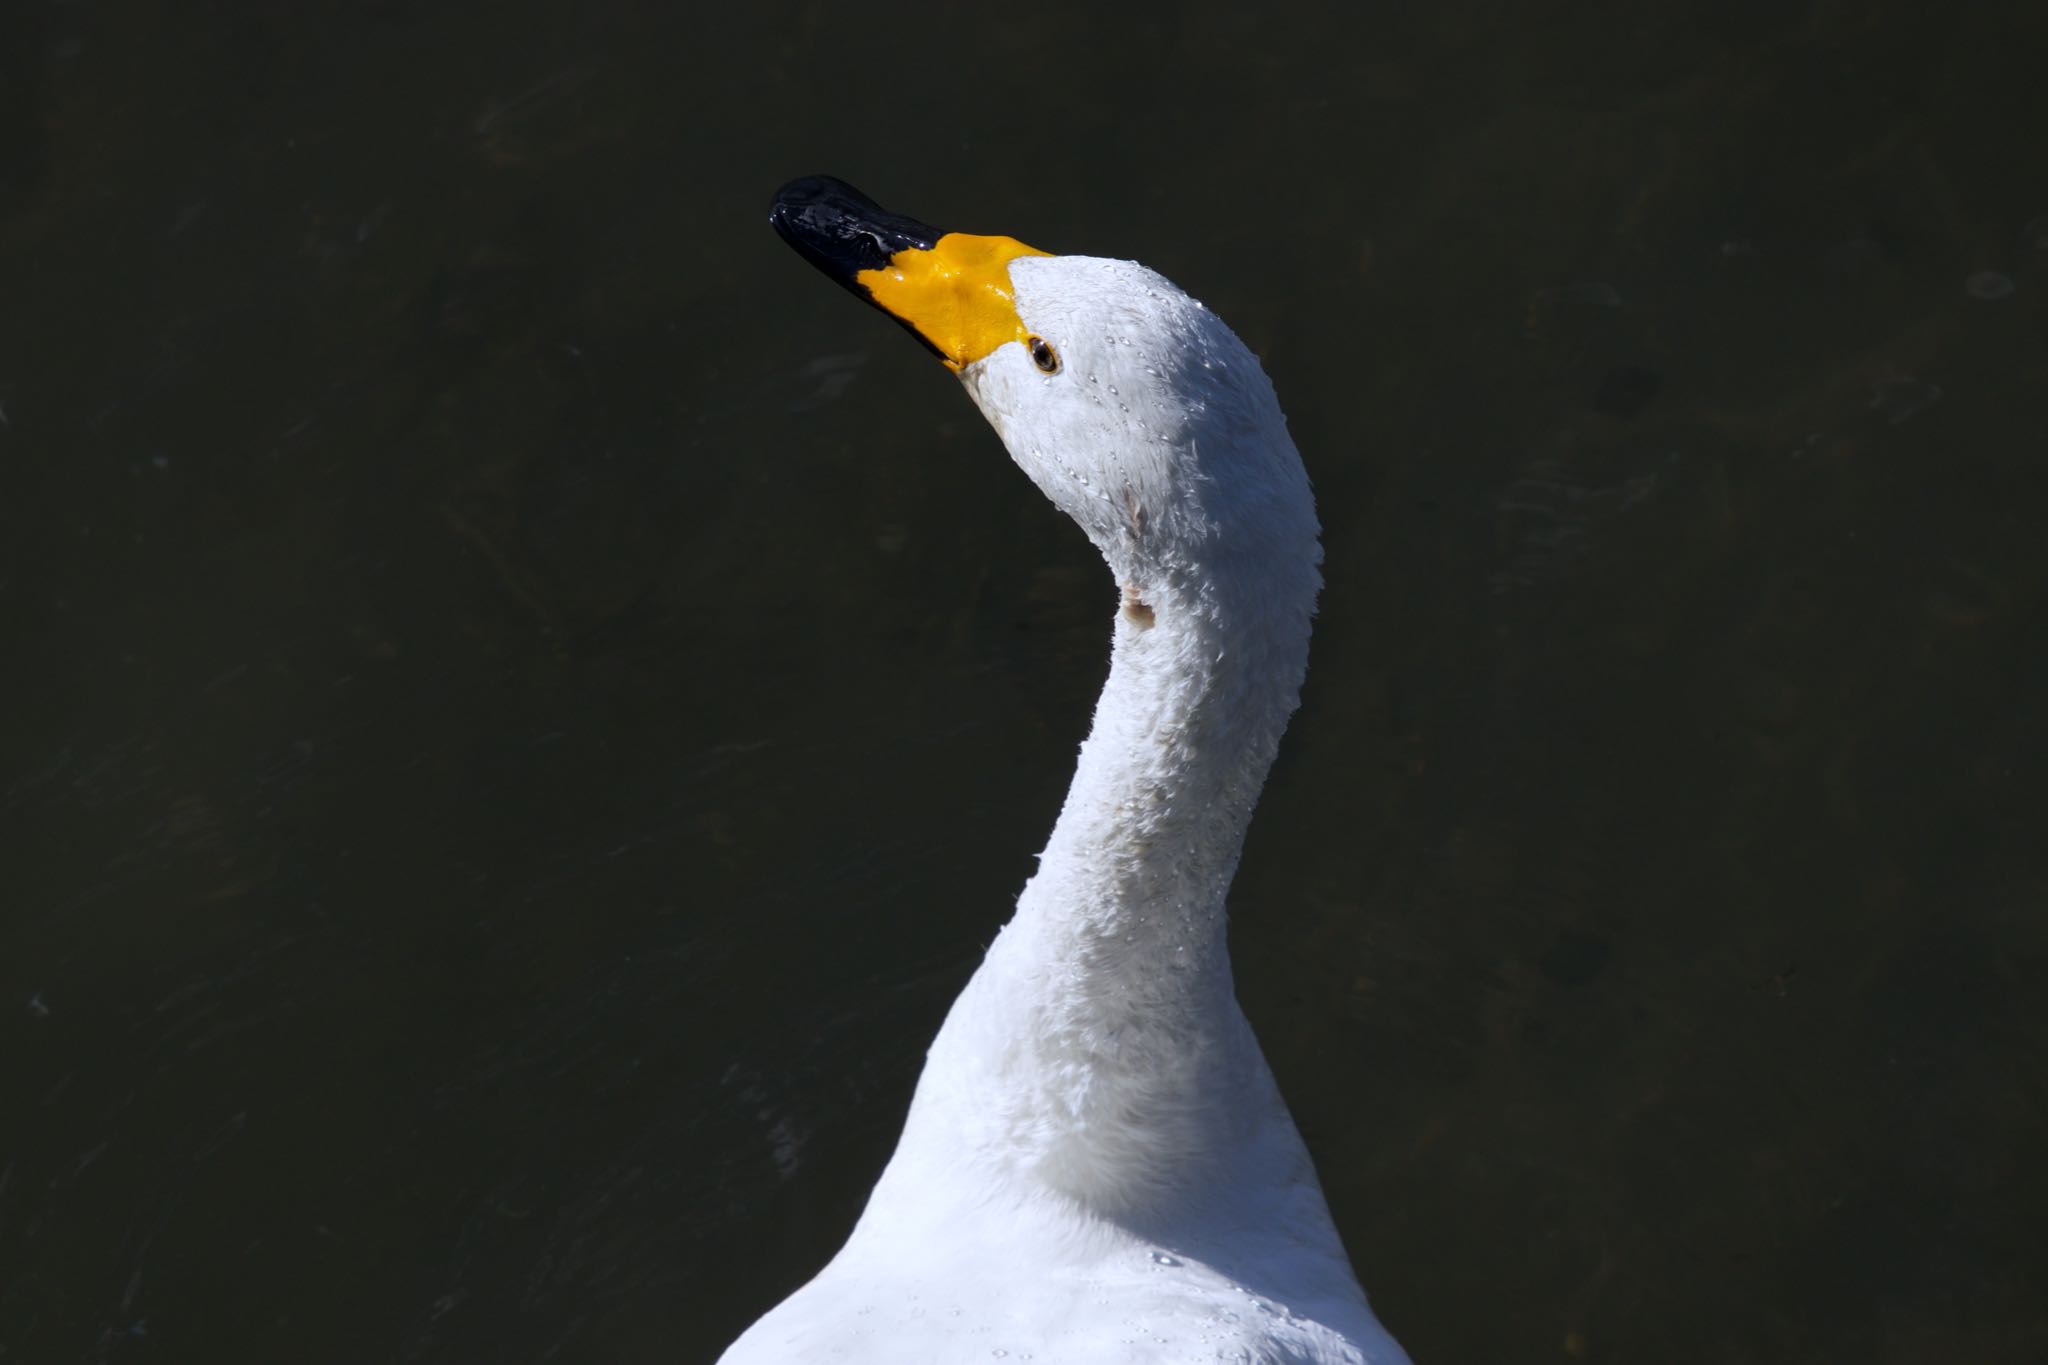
(840, 230)
(807, 190)
(790, 203)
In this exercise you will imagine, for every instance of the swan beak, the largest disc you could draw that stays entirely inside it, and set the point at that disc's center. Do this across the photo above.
(950, 289)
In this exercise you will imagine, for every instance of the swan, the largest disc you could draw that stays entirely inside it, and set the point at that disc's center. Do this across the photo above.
(1097, 1165)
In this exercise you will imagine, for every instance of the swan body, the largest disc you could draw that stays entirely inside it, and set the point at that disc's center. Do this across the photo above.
(1097, 1165)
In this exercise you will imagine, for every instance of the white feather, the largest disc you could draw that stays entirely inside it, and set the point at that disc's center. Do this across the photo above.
(1097, 1165)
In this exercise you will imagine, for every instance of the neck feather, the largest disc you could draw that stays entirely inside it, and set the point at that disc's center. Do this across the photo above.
(1100, 1052)
(1131, 885)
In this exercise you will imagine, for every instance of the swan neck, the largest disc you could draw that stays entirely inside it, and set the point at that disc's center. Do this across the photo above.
(1133, 880)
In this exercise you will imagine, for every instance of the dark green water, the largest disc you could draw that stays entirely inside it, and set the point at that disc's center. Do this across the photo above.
(520, 704)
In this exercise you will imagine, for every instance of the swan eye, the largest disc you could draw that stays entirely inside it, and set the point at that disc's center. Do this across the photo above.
(1043, 355)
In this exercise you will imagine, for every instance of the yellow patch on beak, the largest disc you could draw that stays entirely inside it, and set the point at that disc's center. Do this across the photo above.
(957, 295)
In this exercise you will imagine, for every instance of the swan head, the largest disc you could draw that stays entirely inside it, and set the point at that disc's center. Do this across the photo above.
(1130, 405)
